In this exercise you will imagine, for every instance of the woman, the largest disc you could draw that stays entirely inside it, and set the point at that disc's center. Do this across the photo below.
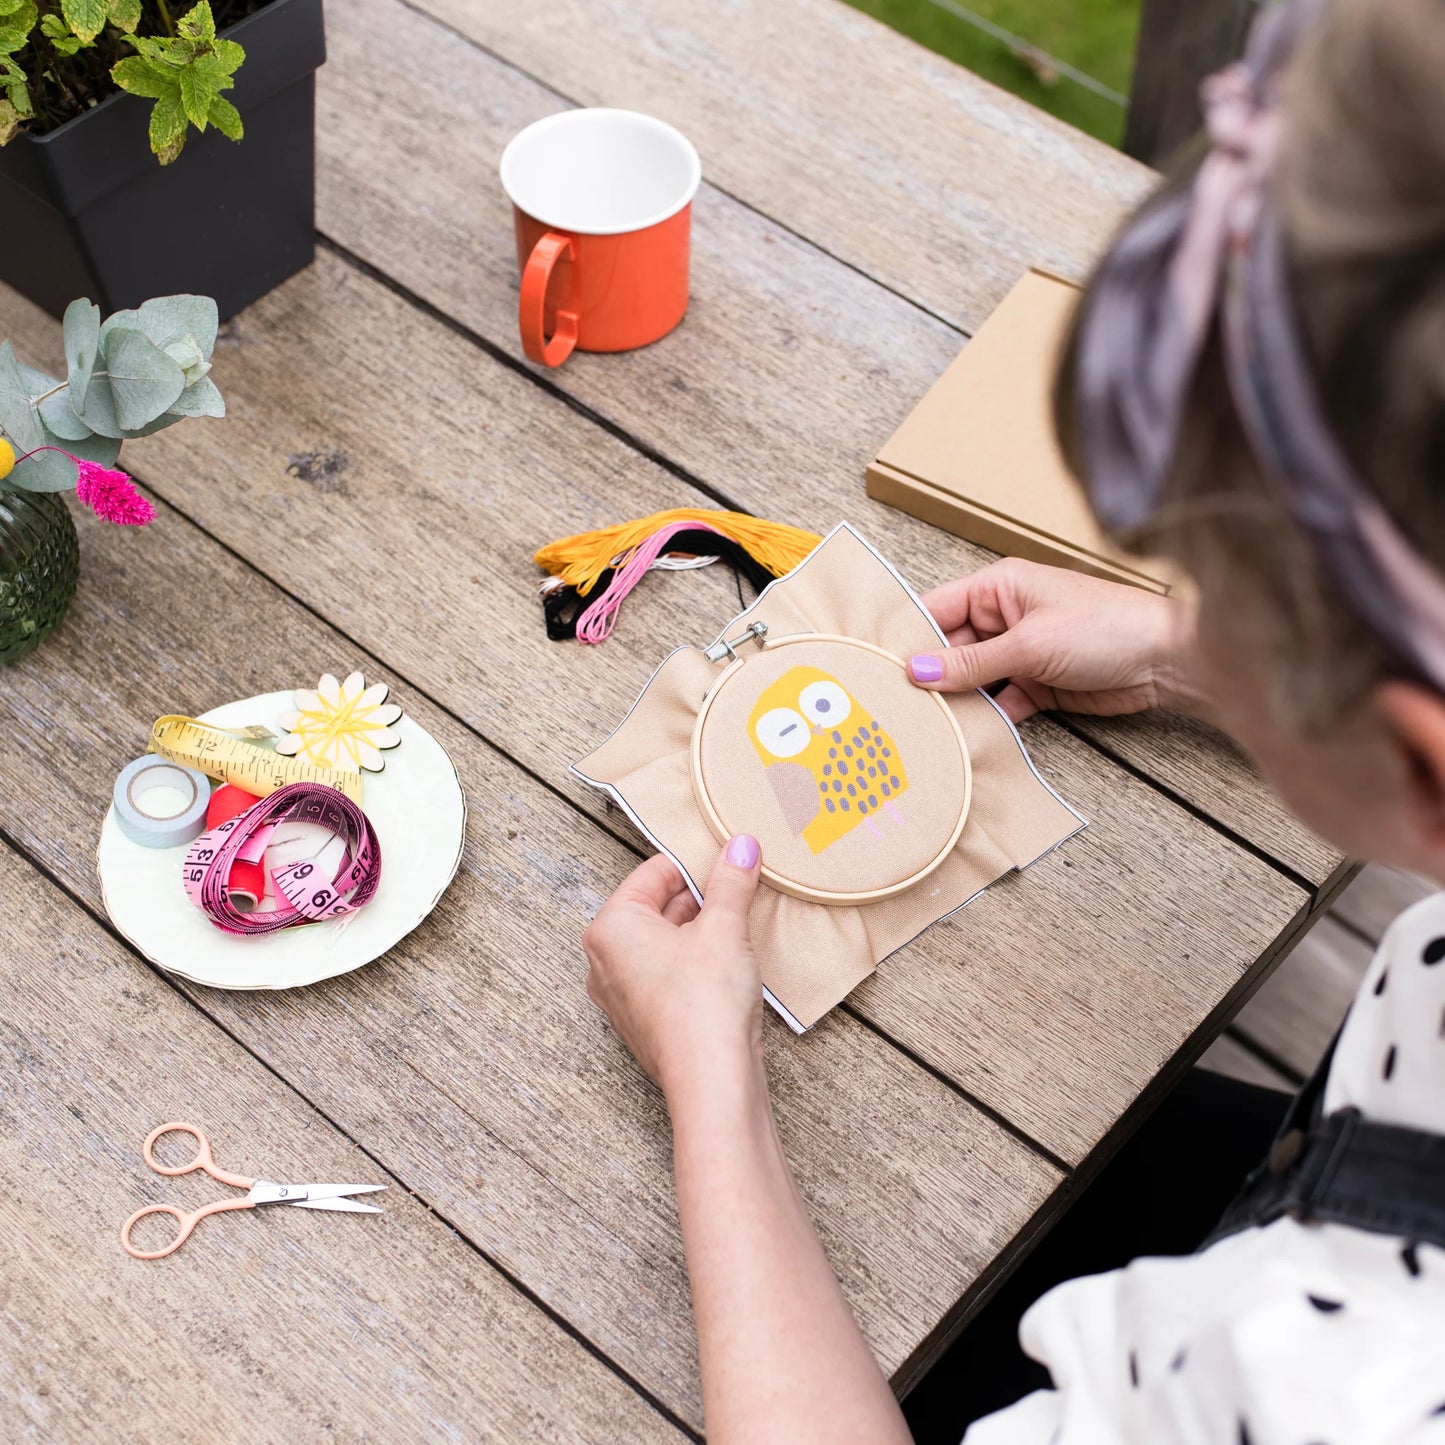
(1256, 386)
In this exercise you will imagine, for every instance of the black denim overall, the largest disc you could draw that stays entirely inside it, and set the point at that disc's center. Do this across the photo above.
(1345, 1169)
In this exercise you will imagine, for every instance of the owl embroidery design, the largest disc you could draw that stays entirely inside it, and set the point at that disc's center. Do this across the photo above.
(832, 768)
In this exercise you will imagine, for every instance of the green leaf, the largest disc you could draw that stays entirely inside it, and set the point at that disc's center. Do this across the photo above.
(58, 34)
(202, 398)
(55, 412)
(125, 14)
(196, 96)
(140, 77)
(82, 343)
(59, 417)
(197, 24)
(85, 17)
(143, 380)
(230, 54)
(15, 27)
(167, 319)
(55, 472)
(186, 353)
(226, 118)
(10, 121)
(168, 128)
(98, 413)
(17, 417)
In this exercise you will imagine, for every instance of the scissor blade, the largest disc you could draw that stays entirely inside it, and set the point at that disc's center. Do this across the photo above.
(336, 1191)
(347, 1206)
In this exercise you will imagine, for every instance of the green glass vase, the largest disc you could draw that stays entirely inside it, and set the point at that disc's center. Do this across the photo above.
(39, 567)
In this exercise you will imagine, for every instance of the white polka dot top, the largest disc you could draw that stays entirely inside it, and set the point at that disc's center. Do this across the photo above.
(1290, 1334)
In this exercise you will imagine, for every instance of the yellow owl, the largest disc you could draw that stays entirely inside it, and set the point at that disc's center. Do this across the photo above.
(830, 764)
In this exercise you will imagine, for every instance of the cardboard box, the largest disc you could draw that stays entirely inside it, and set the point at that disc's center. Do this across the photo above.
(977, 455)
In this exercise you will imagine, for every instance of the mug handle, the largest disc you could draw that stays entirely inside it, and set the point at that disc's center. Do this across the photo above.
(536, 277)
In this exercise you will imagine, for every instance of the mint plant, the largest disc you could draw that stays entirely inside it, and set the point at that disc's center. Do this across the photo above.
(58, 58)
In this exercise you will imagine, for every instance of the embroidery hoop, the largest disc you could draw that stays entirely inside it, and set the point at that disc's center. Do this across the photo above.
(735, 668)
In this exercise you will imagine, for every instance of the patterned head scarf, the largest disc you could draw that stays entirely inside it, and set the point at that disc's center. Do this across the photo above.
(1215, 248)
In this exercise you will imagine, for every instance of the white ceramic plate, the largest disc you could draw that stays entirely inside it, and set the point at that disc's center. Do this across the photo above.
(419, 812)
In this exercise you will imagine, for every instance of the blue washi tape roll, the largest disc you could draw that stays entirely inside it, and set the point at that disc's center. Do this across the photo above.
(160, 804)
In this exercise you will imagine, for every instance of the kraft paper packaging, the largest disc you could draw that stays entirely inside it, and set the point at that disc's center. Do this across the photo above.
(1009, 488)
(811, 953)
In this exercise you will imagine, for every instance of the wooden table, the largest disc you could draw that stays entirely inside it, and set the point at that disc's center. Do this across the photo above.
(373, 500)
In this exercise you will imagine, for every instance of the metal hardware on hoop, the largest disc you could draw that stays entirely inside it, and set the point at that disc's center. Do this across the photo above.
(726, 647)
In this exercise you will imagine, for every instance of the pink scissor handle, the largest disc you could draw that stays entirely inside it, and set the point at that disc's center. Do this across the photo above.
(203, 1159)
(187, 1222)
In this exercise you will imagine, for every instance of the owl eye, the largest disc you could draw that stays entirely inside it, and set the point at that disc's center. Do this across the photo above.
(783, 732)
(825, 703)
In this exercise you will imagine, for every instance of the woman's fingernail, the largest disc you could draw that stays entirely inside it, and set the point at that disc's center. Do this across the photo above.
(743, 851)
(925, 667)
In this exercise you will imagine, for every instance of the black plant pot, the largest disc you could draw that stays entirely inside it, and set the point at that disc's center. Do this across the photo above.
(89, 211)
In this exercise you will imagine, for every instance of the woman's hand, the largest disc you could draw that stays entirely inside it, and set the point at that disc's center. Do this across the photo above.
(678, 983)
(1062, 639)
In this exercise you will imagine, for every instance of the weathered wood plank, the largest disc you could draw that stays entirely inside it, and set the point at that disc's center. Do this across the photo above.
(1207, 770)
(1378, 896)
(424, 561)
(306, 1325)
(470, 1060)
(1297, 1010)
(887, 156)
(789, 373)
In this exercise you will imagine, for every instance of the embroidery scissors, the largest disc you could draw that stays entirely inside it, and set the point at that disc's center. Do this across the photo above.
(261, 1191)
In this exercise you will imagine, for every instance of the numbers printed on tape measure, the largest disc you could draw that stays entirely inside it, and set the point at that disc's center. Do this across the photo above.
(194, 744)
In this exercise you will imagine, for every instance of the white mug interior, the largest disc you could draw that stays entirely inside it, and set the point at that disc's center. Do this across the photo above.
(600, 172)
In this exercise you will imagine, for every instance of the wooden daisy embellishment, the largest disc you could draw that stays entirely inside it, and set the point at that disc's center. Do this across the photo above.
(344, 725)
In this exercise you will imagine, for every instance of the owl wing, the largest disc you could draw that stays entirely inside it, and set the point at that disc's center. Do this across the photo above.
(797, 793)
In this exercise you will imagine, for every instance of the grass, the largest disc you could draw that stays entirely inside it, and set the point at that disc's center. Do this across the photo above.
(1095, 37)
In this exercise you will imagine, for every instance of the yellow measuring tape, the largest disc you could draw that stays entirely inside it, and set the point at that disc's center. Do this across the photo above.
(219, 754)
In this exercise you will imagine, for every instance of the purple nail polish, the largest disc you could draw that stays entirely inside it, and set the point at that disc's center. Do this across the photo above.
(743, 851)
(925, 667)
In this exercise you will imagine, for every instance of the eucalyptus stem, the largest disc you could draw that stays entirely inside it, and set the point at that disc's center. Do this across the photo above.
(46, 395)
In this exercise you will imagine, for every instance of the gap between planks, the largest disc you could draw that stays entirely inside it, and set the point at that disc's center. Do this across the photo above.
(630, 843)
(102, 920)
(628, 438)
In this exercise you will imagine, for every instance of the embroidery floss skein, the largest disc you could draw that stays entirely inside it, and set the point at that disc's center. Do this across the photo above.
(615, 559)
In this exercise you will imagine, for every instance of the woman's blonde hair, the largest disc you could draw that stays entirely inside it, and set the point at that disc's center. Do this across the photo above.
(1360, 188)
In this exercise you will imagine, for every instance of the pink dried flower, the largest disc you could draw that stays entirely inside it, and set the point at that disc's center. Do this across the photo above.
(111, 495)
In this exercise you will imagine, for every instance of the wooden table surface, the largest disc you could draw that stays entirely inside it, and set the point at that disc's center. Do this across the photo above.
(389, 464)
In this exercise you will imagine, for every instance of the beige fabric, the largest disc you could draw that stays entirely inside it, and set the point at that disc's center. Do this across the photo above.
(812, 954)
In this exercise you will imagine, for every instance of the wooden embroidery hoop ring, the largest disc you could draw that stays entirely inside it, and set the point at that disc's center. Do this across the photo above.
(776, 880)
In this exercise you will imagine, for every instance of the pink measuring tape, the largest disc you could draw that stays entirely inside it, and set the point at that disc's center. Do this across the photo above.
(300, 895)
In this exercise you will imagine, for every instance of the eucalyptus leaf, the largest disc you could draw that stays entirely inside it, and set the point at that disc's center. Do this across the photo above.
(44, 472)
(55, 412)
(167, 319)
(82, 343)
(58, 416)
(202, 398)
(143, 380)
(186, 353)
(17, 417)
(56, 472)
(37, 383)
(99, 413)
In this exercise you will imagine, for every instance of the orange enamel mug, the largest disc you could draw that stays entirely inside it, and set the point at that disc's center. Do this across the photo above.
(602, 204)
